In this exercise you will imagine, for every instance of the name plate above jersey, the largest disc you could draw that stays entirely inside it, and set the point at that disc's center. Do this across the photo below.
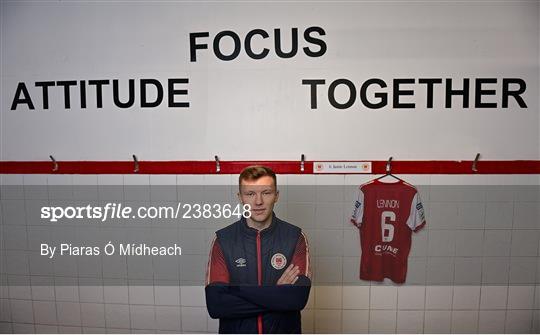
(341, 167)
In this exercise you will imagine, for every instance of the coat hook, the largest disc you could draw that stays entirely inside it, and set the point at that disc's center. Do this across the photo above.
(136, 163)
(218, 167)
(55, 164)
(475, 162)
(302, 162)
(389, 165)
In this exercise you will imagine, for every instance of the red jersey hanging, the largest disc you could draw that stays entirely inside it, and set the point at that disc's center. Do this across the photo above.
(386, 214)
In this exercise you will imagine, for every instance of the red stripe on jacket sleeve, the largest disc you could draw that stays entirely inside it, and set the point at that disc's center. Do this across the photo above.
(301, 256)
(217, 270)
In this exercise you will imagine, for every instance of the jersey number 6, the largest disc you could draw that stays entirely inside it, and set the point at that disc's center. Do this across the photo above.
(387, 229)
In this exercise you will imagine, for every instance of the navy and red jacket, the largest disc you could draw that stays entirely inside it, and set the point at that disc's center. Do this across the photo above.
(243, 269)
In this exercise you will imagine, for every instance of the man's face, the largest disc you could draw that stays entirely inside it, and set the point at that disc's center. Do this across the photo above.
(261, 195)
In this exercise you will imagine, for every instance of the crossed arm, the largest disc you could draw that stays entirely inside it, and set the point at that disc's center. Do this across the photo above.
(290, 293)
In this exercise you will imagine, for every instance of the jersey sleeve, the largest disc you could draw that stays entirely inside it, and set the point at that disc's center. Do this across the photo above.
(216, 271)
(417, 219)
(301, 256)
(358, 210)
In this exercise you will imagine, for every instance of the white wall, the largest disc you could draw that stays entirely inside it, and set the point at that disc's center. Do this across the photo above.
(258, 109)
(478, 236)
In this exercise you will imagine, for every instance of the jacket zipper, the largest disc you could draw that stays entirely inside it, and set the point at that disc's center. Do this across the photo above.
(259, 279)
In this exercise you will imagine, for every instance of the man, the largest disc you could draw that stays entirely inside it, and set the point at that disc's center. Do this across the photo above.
(258, 276)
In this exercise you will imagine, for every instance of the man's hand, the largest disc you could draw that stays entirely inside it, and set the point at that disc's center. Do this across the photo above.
(290, 276)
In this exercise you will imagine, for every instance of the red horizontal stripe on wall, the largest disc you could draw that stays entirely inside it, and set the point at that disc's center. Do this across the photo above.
(282, 167)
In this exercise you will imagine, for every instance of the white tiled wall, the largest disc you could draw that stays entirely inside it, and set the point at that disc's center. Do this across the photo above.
(487, 243)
